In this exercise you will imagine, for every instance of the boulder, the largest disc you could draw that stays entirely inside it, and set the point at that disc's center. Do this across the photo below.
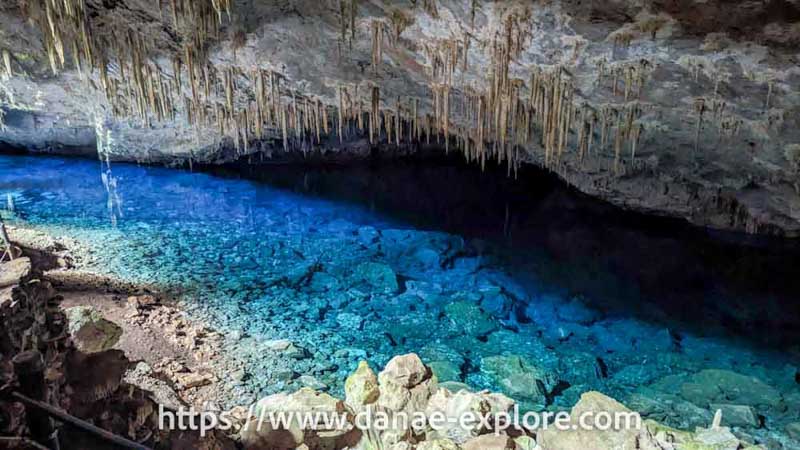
(456, 405)
(11, 272)
(736, 415)
(405, 370)
(259, 433)
(90, 332)
(445, 371)
(519, 378)
(469, 318)
(495, 302)
(361, 387)
(724, 386)
(578, 438)
(349, 321)
(379, 276)
(322, 281)
(793, 430)
(576, 311)
(405, 384)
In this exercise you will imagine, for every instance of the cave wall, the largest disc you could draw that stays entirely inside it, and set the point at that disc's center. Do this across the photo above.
(683, 108)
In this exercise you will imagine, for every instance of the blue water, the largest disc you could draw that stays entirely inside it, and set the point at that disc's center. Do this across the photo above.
(347, 282)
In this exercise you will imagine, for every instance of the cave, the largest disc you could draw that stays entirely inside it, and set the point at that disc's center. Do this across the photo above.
(405, 225)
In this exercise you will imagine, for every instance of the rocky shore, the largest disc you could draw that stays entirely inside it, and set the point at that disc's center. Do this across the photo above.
(178, 362)
(85, 373)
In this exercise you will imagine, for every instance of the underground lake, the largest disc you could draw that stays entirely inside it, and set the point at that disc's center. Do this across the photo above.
(522, 287)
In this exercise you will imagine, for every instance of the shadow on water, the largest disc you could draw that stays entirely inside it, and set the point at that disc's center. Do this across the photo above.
(565, 243)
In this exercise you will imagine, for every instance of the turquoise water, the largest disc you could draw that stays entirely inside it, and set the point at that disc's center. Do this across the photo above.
(345, 281)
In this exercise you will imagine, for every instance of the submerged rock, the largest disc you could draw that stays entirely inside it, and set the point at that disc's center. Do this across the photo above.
(736, 415)
(90, 332)
(445, 370)
(470, 318)
(520, 378)
(379, 276)
(717, 386)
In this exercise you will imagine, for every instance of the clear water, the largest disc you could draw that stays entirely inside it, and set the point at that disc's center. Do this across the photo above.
(348, 281)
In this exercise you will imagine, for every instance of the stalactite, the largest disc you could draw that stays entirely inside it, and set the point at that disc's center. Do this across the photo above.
(375, 115)
(770, 84)
(377, 44)
(340, 114)
(284, 130)
(635, 135)
(618, 147)
(699, 108)
(7, 62)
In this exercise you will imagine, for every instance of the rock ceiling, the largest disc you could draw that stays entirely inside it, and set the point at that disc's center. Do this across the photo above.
(685, 108)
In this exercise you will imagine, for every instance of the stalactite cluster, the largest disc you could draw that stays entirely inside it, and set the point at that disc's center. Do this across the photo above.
(123, 61)
(499, 122)
(348, 9)
(633, 75)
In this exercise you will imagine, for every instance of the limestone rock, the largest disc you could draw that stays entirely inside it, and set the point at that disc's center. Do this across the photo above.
(405, 370)
(582, 439)
(736, 415)
(469, 318)
(489, 442)
(313, 383)
(361, 387)
(520, 378)
(11, 272)
(259, 434)
(379, 276)
(189, 380)
(405, 384)
(349, 321)
(277, 345)
(90, 332)
(793, 430)
(445, 371)
(713, 385)
(456, 405)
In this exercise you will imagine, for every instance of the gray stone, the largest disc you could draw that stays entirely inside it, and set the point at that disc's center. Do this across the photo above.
(445, 371)
(735, 415)
(349, 321)
(713, 385)
(90, 332)
(520, 378)
(11, 272)
(379, 276)
(469, 318)
(793, 430)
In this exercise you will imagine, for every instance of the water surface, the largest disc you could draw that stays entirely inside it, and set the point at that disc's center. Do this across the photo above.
(519, 286)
